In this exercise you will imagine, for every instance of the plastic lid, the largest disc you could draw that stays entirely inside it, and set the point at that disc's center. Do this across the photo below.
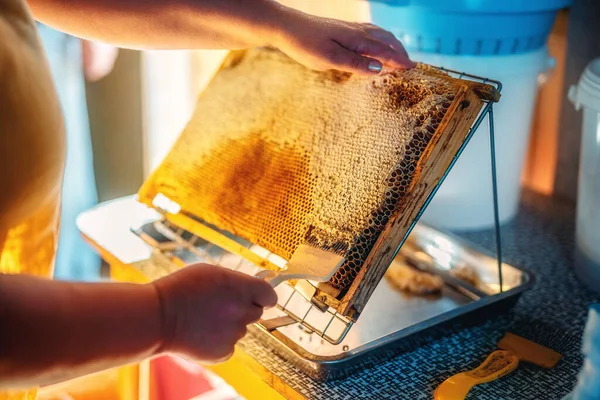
(491, 66)
(587, 92)
(482, 6)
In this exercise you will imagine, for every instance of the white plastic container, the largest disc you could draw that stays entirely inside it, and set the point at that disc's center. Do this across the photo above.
(588, 382)
(464, 201)
(586, 95)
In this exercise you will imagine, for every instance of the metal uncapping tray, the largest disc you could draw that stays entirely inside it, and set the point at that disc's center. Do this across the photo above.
(326, 346)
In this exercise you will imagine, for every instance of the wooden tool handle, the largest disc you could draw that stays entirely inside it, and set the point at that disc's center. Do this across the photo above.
(217, 238)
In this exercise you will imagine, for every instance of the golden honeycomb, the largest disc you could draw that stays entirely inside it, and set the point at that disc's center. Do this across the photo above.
(281, 155)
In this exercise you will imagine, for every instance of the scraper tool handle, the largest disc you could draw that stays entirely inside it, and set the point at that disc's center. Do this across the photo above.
(272, 277)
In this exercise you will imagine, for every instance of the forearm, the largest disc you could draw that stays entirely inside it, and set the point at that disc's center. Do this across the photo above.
(52, 331)
(164, 24)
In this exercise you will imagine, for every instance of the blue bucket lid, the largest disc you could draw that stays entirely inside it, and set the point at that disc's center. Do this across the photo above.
(482, 6)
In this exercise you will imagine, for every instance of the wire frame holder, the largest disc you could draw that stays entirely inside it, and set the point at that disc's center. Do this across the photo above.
(303, 289)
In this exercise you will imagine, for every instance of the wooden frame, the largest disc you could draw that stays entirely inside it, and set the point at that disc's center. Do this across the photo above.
(434, 161)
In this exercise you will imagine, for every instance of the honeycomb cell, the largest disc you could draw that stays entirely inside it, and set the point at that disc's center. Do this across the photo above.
(281, 155)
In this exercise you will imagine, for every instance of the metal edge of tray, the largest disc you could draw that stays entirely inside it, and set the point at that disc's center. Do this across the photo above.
(325, 368)
(384, 349)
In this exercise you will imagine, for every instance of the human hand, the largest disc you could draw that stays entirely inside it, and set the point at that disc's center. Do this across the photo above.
(98, 59)
(323, 43)
(205, 310)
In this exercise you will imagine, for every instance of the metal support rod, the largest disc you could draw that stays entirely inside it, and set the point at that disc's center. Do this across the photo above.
(495, 197)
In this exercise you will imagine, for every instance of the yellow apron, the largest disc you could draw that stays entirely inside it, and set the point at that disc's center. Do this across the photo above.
(33, 149)
(29, 248)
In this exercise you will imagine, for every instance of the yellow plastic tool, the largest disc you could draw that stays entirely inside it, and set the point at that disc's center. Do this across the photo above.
(496, 365)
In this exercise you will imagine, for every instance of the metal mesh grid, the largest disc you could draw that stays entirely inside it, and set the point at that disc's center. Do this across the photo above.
(183, 248)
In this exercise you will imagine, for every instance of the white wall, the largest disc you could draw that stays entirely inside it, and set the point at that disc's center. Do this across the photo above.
(171, 80)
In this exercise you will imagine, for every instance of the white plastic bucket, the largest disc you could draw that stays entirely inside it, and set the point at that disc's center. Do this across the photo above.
(464, 201)
(586, 95)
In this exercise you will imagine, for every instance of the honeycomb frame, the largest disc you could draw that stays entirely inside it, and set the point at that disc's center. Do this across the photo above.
(434, 140)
